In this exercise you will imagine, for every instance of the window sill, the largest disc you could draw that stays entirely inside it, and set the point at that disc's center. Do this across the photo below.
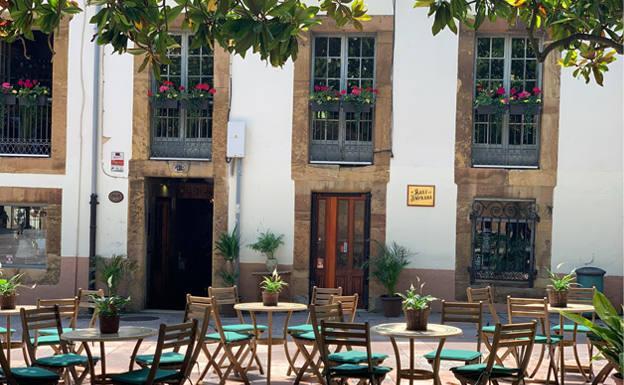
(338, 163)
(182, 159)
(505, 167)
(24, 156)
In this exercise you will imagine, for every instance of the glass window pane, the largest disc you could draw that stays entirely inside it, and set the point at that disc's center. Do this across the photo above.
(320, 68)
(498, 69)
(483, 47)
(531, 69)
(334, 46)
(320, 46)
(368, 68)
(368, 46)
(517, 48)
(333, 68)
(498, 47)
(354, 68)
(354, 46)
(483, 69)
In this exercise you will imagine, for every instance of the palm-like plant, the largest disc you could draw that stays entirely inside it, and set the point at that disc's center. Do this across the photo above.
(228, 246)
(388, 264)
(267, 243)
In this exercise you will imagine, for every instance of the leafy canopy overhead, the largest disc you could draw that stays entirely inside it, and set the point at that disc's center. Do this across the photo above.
(589, 30)
(142, 27)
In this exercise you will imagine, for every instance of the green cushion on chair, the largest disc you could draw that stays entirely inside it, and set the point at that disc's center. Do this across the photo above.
(52, 331)
(33, 374)
(351, 369)
(229, 336)
(570, 328)
(47, 340)
(139, 377)
(306, 336)
(303, 328)
(554, 339)
(167, 358)
(238, 328)
(455, 355)
(355, 357)
(477, 369)
(3, 330)
(62, 360)
(488, 329)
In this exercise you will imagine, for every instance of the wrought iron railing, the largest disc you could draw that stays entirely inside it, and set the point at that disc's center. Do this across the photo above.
(181, 131)
(341, 137)
(503, 241)
(25, 128)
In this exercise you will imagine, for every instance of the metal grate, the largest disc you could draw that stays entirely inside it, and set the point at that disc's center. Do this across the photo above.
(25, 129)
(503, 241)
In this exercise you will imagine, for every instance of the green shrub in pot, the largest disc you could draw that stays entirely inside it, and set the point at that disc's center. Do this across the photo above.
(387, 266)
(267, 244)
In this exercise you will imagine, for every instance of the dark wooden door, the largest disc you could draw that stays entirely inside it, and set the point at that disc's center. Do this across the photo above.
(340, 247)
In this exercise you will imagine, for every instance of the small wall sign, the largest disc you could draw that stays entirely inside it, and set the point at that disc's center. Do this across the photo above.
(117, 162)
(421, 195)
(115, 196)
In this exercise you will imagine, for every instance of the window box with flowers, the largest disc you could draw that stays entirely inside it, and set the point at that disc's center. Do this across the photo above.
(490, 101)
(359, 99)
(166, 96)
(198, 98)
(8, 94)
(325, 98)
(525, 102)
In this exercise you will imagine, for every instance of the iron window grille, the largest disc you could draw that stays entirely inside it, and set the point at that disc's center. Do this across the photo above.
(509, 140)
(503, 241)
(184, 131)
(341, 62)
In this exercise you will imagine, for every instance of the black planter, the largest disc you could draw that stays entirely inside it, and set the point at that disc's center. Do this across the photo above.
(42, 100)
(356, 107)
(524, 109)
(36, 101)
(331, 106)
(165, 103)
(201, 104)
(392, 305)
(8, 99)
(488, 109)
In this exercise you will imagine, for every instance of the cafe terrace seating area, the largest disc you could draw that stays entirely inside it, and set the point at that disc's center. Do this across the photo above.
(218, 340)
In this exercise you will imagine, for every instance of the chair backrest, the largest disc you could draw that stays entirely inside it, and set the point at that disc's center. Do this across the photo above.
(464, 312)
(34, 320)
(322, 296)
(581, 295)
(341, 333)
(6, 369)
(485, 295)
(529, 308)
(201, 311)
(331, 312)
(68, 308)
(86, 303)
(227, 296)
(175, 337)
(349, 304)
(520, 337)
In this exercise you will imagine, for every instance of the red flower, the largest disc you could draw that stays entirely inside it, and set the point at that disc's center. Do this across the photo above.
(536, 91)
(513, 91)
(163, 88)
(343, 92)
(524, 95)
(150, 94)
(356, 91)
(20, 83)
(375, 91)
(168, 83)
(202, 87)
(317, 88)
(212, 91)
(500, 91)
(181, 88)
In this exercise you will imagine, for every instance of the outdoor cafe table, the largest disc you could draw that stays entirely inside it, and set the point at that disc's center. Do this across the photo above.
(434, 331)
(8, 313)
(282, 307)
(126, 333)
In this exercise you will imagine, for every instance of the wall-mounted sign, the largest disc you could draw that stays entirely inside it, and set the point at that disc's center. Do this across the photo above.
(421, 195)
(117, 162)
(115, 196)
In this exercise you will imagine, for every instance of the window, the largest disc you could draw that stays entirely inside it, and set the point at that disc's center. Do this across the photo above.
(341, 62)
(184, 131)
(23, 236)
(510, 139)
(503, 241)
(25, 125)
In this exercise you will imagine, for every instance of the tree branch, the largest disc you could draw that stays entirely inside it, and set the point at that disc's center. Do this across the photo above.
(565, 42)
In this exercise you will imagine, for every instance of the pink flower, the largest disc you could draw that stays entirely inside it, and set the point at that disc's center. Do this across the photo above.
(181, 88)
(20, 83)
(202, 87)
(536, 91)
(524, 95)
(317, 88)
(500, 91)
(6, 85)
(513, 91)
(356, 91)
(163, 88)
(168, 83)
(212, 91)
(343, 92)
(28, 83)
(150, 94)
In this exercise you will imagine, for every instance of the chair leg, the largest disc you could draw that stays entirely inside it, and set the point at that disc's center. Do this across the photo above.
(539, 361)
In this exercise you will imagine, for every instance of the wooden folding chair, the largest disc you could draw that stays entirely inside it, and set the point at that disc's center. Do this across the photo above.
(356, 335)
(485, 295)
(25, 376)
(64, 363)
(460, 312)
(87, 304)
(349, 304)
(68, 312)
(537, 310)
(518, 338)
(176, 337)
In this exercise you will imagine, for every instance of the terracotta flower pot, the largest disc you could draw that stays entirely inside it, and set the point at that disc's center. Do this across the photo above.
(392, 305)
(109, 324)
(557, 298)
(417, 319)
(269, 299)
(7, 301)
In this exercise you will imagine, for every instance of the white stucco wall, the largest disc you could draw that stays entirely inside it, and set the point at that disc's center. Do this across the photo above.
(423, 139)
(588, 212)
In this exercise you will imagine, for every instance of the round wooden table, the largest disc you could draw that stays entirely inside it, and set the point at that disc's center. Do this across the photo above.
(434, 331)
(578, 367)
(8, 313)
(126, 333)
(282, 307)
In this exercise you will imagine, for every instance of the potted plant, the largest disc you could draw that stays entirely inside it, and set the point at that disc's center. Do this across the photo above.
(32, 93)
(267, 244)
(199, 97)
(109, 307)
(271, 286)
(558, 290)
(359, 99)
(607, 334)
(8, 94)
(324, 98)
(228, 246)
(490, 101)
(416, 307)
(166, 96)
(387, 266)
(525, 102)
(8, 291)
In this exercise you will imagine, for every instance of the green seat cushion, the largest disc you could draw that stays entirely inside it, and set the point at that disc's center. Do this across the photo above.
(62, 360)
(353, 369)
(541, 339)
(355, 357)
(306, 336)
(52, 331)
(303, 328)
(570, 328)
(229, 336)
(138, 377)
(3, 330)
(33, 374)
(47, 340)
(476, 369)
(455, 355)
(167, 358)
(488, 329)
(241, 328)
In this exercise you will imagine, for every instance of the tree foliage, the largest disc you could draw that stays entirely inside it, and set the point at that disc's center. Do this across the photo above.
(142, 27)
(590, 31)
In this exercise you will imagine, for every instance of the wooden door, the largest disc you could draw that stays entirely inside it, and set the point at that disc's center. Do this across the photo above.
(340, 247)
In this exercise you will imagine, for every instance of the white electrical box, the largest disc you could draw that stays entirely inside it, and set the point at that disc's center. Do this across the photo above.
(235, 139)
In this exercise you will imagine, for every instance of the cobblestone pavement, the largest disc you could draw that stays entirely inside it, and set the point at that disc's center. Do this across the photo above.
(118, 353)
